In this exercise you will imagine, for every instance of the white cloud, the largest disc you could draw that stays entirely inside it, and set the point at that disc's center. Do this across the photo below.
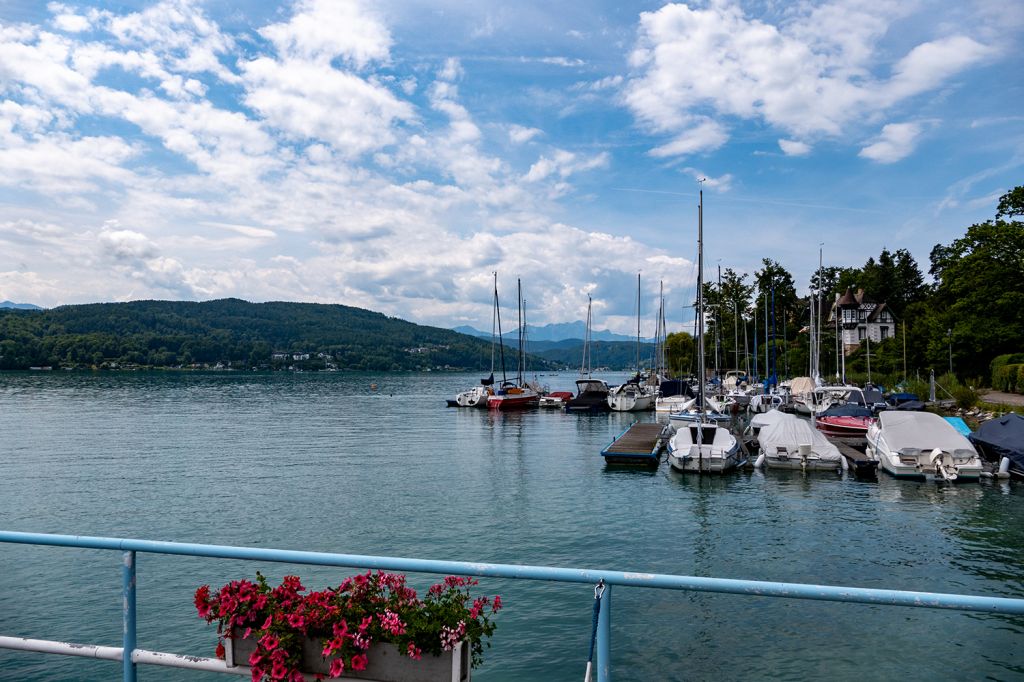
(896, 141)
(321, 30)
(794, 147)
(704, 136)
(816, 73)
(520, 134)
(563, 164)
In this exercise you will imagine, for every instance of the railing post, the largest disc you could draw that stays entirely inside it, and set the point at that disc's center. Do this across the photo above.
(604, 637)
(128, 614)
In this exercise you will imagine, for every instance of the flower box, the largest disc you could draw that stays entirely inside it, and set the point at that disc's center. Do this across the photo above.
(385, 662)
(373, 626)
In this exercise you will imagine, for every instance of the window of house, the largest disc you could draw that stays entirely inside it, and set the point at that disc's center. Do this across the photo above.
(884, 331)
(860, 333)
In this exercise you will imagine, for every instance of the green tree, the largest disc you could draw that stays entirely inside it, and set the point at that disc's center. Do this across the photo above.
(680, 351)
(978, 305)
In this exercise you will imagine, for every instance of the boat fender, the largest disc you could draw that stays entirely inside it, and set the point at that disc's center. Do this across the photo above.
(759, 462)
(844, 464)
(1004, 468)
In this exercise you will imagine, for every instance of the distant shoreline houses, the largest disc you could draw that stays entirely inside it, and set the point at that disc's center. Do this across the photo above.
(861, 318)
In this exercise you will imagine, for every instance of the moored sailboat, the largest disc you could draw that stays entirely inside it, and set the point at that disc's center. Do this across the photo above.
(702, 446)
(513, 395)
(635, 394)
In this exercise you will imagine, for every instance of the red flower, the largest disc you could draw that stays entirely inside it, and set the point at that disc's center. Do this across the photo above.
(337, 667)
(359, 662)
(279, 671)
(220, 650)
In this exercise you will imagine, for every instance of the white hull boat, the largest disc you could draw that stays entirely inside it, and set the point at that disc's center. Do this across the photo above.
(631, 397)
(922, 445)
(788, 442)
(703, 448)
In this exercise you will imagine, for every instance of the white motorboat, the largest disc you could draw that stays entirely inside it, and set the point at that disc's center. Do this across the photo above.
(633, 396)
(789, 442)
(922, 445)
(759, 421)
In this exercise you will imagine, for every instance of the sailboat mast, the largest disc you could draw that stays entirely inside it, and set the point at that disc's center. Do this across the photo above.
(501, 339)
(700, 301)
(638, 323)
(519, 359)
(494, 314)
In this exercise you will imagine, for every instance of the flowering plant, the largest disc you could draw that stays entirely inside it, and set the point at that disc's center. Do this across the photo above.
(366, 608)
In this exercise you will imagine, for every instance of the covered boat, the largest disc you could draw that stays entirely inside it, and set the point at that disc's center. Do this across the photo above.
(1003, 437)
(789, 442)
(921, 445)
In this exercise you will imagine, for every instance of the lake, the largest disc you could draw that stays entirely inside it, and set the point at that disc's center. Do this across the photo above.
(327, 462)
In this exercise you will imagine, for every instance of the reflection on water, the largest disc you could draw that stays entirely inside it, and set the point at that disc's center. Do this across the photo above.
(326, 462)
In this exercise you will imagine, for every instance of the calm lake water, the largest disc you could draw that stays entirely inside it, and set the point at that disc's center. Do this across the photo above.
(323, 462)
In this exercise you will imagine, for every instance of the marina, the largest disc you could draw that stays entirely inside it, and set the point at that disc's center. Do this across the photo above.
(282, 461)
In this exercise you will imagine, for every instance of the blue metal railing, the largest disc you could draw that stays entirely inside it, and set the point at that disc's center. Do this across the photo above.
(129, 652)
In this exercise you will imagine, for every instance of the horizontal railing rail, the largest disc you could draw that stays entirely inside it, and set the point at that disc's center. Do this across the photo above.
(760, 588)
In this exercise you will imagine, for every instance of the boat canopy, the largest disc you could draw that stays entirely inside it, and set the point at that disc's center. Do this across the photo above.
(791, 432)
(590, 386)
(801, 386)
(1003, 437)
(920, 431)
(847, 410)
(764, 419)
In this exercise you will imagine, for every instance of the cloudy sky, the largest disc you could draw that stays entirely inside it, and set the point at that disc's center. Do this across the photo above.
(393, 154)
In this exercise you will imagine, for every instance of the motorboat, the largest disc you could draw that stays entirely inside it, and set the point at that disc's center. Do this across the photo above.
(555, 399)
(591, 393)
(789, 442)
(1002, 440)
(759, 421)
(634, 395)
(845, 421)
(921, 445)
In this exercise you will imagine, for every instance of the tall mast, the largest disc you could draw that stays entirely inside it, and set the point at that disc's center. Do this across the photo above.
(519, 363)
(638, 323)
(494, 315)
(501, 339)
(701, 378)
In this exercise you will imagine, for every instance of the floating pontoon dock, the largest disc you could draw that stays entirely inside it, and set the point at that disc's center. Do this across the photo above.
(640, 444)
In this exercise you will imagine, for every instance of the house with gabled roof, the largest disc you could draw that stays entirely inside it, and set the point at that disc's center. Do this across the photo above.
(861, 318)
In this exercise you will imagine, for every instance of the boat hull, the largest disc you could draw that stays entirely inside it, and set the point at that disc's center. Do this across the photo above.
(843, 427)
(513, 401)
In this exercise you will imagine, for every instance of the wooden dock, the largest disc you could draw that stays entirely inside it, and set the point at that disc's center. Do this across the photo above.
(860, 463)
(640, 444)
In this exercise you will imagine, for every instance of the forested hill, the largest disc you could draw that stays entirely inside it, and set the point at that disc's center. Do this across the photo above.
(231, 333)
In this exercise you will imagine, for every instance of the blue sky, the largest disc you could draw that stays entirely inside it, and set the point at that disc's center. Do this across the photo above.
(392, 155)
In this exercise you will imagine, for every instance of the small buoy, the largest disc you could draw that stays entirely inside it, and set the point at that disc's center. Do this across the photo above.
(759, 461)
(1004, 468)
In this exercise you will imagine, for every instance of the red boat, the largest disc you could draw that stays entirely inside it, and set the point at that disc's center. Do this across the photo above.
(513, 398)
(845, 421)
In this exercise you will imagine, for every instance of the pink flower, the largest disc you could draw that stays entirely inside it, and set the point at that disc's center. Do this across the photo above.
(297, 676)
(359, 662)
(269, 642)
(414, 652)
(279, 671)
(267, 623)
(255, 658)
(497, 604)
(296, 620)
(337, 667)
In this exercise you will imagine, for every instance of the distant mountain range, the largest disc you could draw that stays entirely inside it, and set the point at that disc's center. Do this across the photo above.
(563, 331)
(19, 306)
